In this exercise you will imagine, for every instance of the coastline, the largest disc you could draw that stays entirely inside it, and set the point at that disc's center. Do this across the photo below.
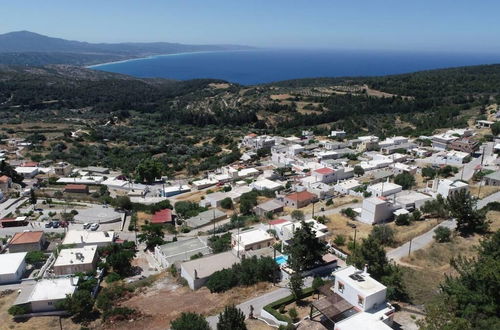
(95, 66)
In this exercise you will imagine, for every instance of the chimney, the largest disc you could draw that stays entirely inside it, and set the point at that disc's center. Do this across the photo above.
(365, 269)
(195, 274)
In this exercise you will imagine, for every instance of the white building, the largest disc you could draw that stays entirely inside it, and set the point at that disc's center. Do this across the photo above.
(287, 230)
(338, 134)
(398, 168)
(27, 172)
(376, 210)
(81, 238)
(384, 189)
(445, 187)
(196, 272)
(251, 240)
(182, 250)
(266, 184)
(204, 183)
(347, 187)
(46, 293)
(12, 267)
(324, 175)
(77, 260)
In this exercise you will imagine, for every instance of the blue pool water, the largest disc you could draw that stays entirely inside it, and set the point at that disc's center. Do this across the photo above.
(281, 260)
(267, 65)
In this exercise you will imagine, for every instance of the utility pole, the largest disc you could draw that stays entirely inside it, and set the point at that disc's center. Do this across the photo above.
(355, 231)
(409, 248)
(313, 210)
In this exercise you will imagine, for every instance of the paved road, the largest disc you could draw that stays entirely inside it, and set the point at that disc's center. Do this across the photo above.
(491, 198)
(9, 206)
(327, 212)
(259, 302)
(468, 169)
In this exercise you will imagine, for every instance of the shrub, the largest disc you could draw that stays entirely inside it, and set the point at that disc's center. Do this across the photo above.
(339, 240)
(442, 234)
(112, 277)
(329, 202)
(403, 220)
(293, 313)
(226, 203)
(18, 310)
(384, 234)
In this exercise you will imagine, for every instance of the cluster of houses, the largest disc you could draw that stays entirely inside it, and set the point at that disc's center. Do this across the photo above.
(44, 287)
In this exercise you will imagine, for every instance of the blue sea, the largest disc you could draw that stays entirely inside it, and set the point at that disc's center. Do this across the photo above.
(268, 65)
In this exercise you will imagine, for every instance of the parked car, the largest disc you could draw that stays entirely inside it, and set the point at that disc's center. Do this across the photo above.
(55, 224)
(86, 225)
(94, 226)
(48, 225)
(39, 210)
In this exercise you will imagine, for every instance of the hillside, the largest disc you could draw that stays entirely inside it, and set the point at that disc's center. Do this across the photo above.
(28, 48)
(194, 125)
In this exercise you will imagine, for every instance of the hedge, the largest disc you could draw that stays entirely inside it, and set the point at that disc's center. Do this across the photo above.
(272, 307)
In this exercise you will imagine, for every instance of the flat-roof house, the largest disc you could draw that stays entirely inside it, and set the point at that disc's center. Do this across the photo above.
(196, 272)
(375, 210)
(76, 189)
(27, 172)
(204, 183)
(347, 187)
(12, 267)
(182, 250)
(205, 218)
(299, 199)
(162, 217)
(266, 184)
(77, 260)
(492, 179)
(445, 187)
(62, 169)
(288, 229)
(325, 175)
(81, 238)
(465, 145)
(338, 134)
(45, 294)
(370, 309)
(27, 241)
(272, 206)
(384, 189)
(251, 240)
(442, 141)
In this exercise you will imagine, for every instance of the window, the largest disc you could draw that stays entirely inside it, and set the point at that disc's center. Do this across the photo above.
(341, 287)
(49, 303)
(361, 301)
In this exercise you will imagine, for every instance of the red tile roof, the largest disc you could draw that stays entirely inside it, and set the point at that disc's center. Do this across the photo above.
(277, 221)
(301, 196)
(27, 237)
(162, 216)
(30, 164)
(324, 170)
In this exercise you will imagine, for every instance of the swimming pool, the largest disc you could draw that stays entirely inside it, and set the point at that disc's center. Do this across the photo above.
(281, 259)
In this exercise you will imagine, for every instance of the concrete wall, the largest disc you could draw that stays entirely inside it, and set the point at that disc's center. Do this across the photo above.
(43, 306)
(13, 277)
(25, 247)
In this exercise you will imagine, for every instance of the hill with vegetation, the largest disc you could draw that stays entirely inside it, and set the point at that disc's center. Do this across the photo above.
(28, 48)
(195, 125)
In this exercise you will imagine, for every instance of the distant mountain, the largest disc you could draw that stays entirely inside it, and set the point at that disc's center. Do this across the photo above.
(28, 48)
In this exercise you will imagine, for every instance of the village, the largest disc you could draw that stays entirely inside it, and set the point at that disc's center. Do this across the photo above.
(65, 229)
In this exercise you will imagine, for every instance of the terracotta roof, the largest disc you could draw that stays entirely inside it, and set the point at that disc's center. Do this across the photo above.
(4, 178)
(26, 237)
(252, 135)
(324, 170)
(277, 221)
(30, 164)
(162, 216)
(75, 186)
(301, 196)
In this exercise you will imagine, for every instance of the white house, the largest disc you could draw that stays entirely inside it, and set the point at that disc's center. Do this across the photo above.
(27, 172)
(338, 134)
(264, 184)
(325, 175)
(347, 187)
(77, 260)
(368, 298)
(81, 238)
(376, 210)
(182, 250)
(12, 267)
(288, 229)
(251, 240)
(445, 186)
(196, 272)
(46, 293)
(384, 189)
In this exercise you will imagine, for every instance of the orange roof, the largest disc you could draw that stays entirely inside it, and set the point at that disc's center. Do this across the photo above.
(30, 164)
(252, 135)
(277, 221)
(162, 216)
(301, 196)
(324, 170)
(26, 237)
(4, 179)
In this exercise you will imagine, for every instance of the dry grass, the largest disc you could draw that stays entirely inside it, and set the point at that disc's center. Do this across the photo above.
(257, 325)
(337, 202)
(142, 217)
(485, 190)
(194, 196)
(302, 307)
(404, 233)
(281, 97)
(338, 226)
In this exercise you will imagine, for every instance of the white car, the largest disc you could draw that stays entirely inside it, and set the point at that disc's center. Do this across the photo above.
(94, 226)
(86, 225)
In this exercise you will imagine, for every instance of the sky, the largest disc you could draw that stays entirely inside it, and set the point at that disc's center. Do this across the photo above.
(423, 25)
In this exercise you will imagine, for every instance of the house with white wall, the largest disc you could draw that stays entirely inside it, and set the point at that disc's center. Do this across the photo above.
(376, 210)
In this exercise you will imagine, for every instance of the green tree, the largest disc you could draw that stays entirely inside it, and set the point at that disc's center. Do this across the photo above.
(293, 313)
(79, 304)
(442, 234)
(416, 215)
(339, 240)
(495, 128)
(349, 212)
(190, 321)
(469, 219)
(123, 203)
(226, 203)
(428, 172)
(384, 234)
(231, 318)
(403, 220)
(296, 284)
(305, 249)
(152, 234)
(32, 197)
(148, 170)
(317, 283)
(220, 243)
(358, 170)
(372, 253)
(406, 180)
(35, 257)
(298, 215)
